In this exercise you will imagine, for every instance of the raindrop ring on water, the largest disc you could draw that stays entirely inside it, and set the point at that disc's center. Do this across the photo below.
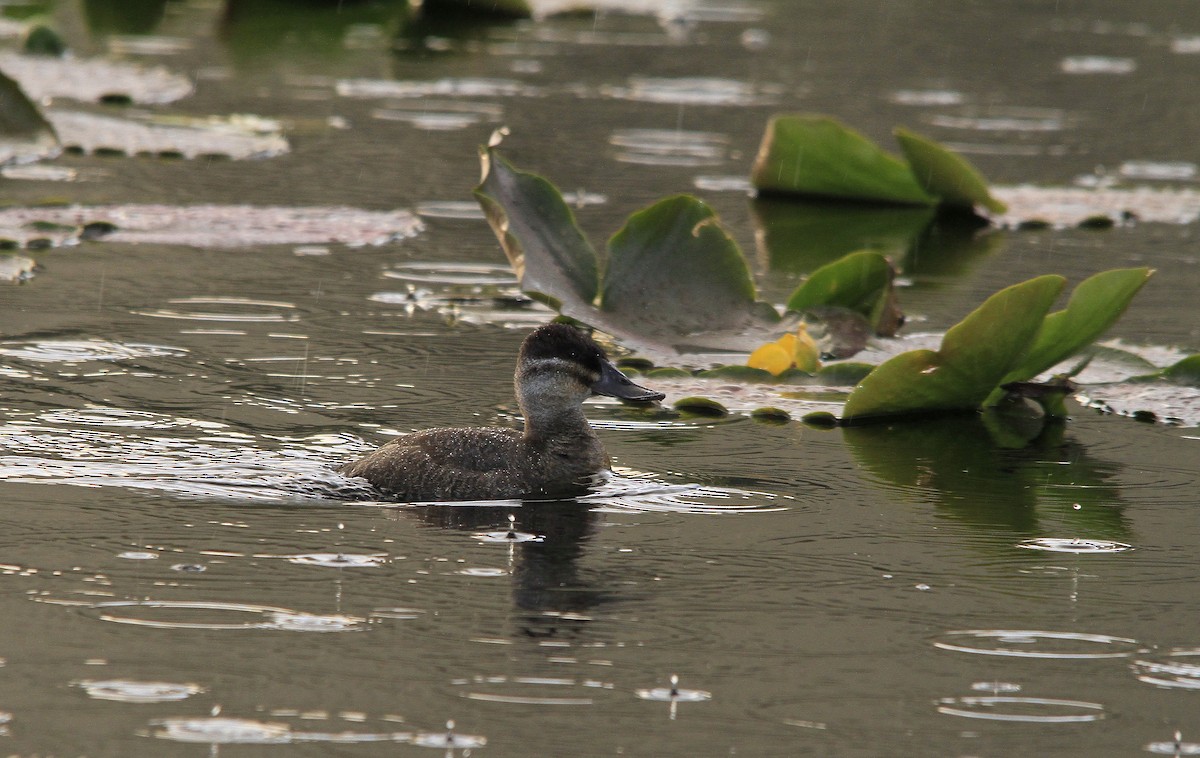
(1020, 643)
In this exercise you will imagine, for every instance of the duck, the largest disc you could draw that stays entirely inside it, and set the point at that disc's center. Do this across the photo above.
(556, 455)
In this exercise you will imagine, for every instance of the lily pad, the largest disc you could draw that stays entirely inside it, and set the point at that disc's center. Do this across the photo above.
(1095, 305)
(700, 406)
(860, 282)
(945, 174)
(738, 374)
(675, 283)
(536, 228)
(975, 355)
(675, 259)
(819, 156)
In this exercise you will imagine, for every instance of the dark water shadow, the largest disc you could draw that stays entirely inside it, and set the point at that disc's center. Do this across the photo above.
(796, 238)
(990, 470)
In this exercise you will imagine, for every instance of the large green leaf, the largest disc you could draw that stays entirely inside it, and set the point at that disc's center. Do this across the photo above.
(946, 175)
(675, 266)
(537, 230)
(861, 282)
(819, 156)
(974, 356)
(1095, 305)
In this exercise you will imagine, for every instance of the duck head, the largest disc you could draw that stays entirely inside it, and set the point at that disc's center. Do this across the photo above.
(560, 365)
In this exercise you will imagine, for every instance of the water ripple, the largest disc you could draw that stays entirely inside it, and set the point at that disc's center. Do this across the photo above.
(1030, 710)
(1020, 643)
(81, 351)
(181, 615)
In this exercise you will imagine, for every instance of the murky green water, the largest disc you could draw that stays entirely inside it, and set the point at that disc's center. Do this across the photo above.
(179, 577)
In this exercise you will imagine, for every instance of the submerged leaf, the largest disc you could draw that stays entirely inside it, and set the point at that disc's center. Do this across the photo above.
(1094, 306)
(819, 156)
(537, 230)
(945, 174)
(975, 355)
(674, 267)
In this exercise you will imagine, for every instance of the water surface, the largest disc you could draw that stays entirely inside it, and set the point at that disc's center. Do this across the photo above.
(182, 572)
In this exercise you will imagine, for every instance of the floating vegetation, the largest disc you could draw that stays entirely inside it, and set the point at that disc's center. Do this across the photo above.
(91, 80)
(700, 406)
(213, 225)
(236, 137)
(1010, 338)
(818, 156)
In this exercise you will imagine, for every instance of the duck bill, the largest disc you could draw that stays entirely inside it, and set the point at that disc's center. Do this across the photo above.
(615, 384)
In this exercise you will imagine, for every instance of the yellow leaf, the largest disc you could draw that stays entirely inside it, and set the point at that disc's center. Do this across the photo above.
(788, 343)
(770, 357)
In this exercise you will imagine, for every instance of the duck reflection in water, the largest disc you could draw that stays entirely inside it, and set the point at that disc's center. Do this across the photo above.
(556, 455)
(548, 591)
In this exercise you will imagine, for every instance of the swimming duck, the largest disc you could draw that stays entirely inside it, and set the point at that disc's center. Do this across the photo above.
(556, 455)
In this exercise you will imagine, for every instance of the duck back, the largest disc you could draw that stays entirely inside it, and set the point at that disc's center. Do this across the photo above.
(480, 464)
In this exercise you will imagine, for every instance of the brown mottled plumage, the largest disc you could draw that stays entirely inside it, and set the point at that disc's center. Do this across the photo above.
(557, 454)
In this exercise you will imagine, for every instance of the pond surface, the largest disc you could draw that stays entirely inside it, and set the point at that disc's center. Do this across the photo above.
(182, 574)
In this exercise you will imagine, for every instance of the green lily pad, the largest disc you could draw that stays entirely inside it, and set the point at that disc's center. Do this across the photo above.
(674, 262)
(975, 355)
(842, 374)
(771, 414)
(536, 228)
(819, 156)
(1095, 305)
(739, 374)
(700, 406)
(668, 372)
(946, 175)
(860, 282)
